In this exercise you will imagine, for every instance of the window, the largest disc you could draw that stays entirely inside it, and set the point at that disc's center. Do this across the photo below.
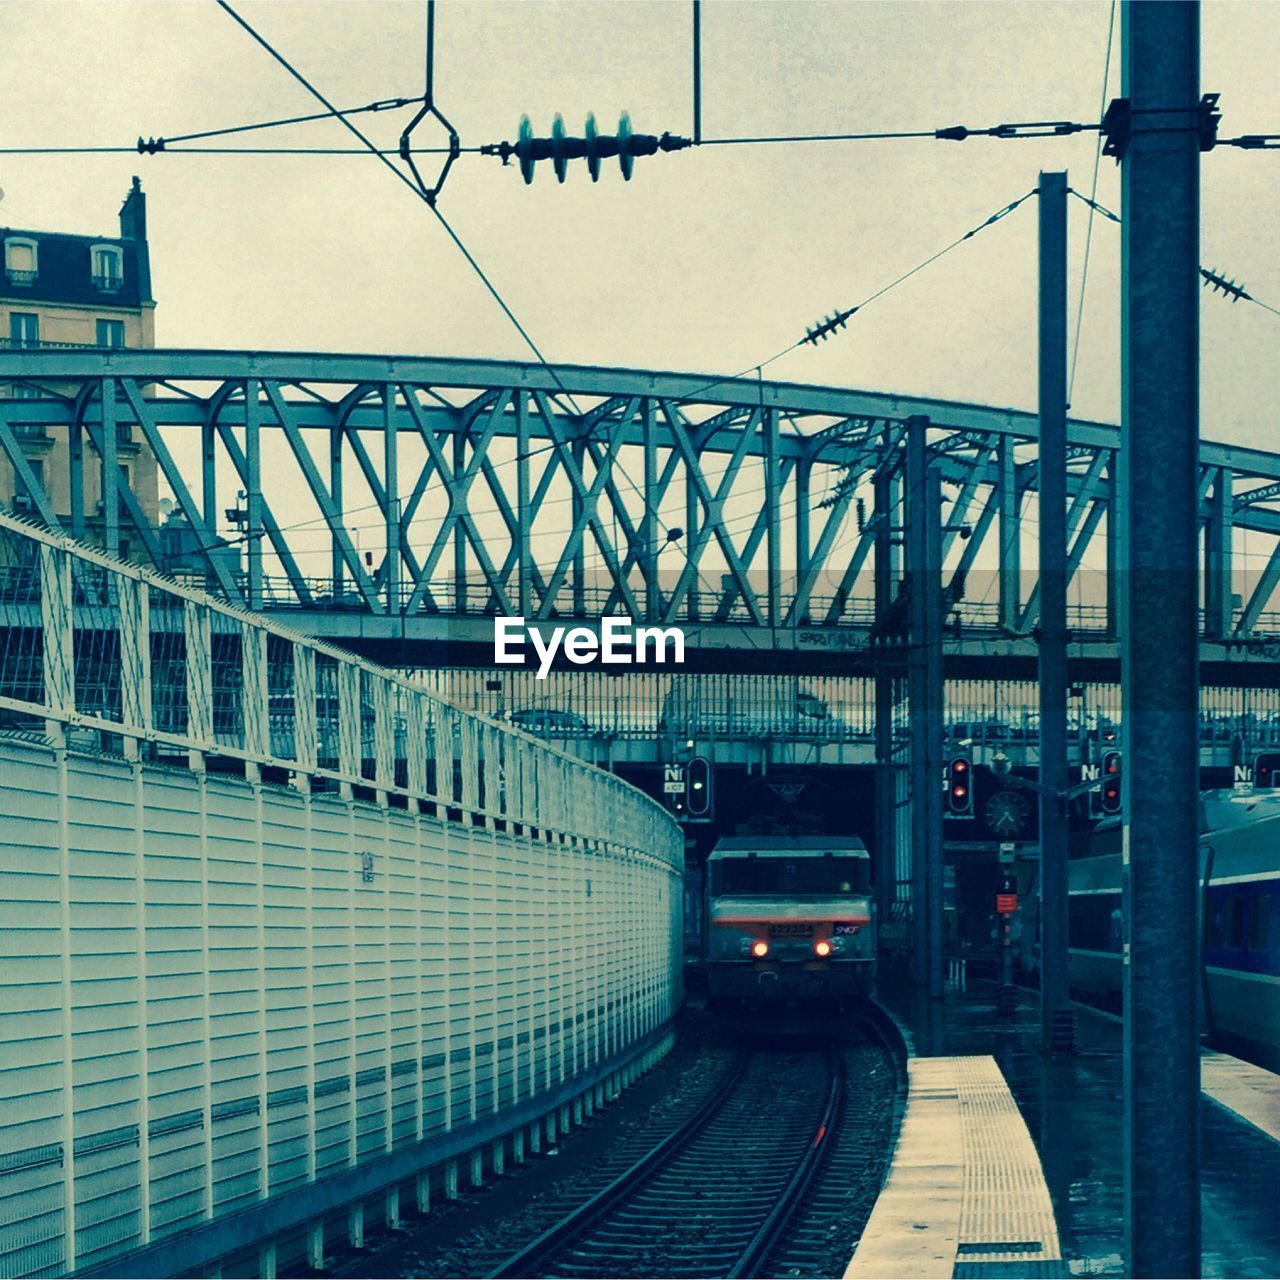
(107, 266)
(1235, 921)
(111, 333)
(781, 877)
(1260, 922)
(21, 260)
(24, 329)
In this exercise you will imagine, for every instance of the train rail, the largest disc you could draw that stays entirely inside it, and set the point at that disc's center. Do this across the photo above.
(725, 1193)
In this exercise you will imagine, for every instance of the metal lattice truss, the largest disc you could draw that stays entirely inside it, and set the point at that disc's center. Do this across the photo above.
(91, 645)
(499, 488)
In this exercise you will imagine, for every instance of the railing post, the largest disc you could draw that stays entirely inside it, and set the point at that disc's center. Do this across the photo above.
(195, 627)
(59, 647)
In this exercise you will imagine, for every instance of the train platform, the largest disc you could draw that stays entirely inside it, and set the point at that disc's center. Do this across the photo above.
(1071, 1112)
(965, 1196)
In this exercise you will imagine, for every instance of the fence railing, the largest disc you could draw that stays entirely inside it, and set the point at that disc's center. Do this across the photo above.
(93, 643)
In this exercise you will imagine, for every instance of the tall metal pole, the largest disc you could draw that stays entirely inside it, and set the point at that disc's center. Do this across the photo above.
(934, 713)
(924, 549)
(697, 70)
(1160, 438)
(1055, 1009)
(886, 824)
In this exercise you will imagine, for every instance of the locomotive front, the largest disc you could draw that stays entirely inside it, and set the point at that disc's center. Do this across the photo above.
(789, 920)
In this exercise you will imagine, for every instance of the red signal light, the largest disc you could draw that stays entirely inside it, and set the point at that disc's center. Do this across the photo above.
(959, 797)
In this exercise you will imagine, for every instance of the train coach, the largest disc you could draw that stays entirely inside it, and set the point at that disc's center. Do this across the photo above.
(1239, 942)
(788, 920)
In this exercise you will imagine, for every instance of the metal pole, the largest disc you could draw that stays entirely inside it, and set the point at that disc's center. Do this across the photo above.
(1160, 678)
(924, 544)
(934, 717)
(697, 71)
(1056, 1027)
(882, 563)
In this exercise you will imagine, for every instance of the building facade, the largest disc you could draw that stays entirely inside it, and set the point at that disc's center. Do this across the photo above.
(64, 290)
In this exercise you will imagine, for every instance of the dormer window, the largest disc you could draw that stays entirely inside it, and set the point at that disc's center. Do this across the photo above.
(21, 260)
(108, 266)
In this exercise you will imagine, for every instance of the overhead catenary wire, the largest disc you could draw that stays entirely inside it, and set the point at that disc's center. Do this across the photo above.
(1213, 278)
(408, 182)
(843, 315)
(1093, 206)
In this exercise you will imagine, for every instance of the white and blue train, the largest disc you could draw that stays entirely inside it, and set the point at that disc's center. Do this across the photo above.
(1239, 943)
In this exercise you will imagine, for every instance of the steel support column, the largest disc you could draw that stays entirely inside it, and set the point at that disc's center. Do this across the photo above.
(649, 549)
(804, 470)
(924, 551)
(882, 563)
(773, 505)
(524, 506)
(1218, 613)
(1009, 565)
(391, 483)
(1055, 1008)
(110, 469)
(253, 492)
(335, 493)
(1160, 47)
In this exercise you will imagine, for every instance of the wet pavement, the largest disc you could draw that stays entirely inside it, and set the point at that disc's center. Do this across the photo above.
(1073, 1108)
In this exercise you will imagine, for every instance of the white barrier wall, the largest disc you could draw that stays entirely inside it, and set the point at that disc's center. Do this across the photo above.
(395, 946)
(215, 991)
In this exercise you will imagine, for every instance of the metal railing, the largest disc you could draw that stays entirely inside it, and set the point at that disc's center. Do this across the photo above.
(93, 643)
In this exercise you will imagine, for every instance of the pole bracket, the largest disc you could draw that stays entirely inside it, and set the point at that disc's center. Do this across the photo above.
(1118, 126)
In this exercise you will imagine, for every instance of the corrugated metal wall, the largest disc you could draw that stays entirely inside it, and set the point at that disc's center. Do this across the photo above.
(213, 991)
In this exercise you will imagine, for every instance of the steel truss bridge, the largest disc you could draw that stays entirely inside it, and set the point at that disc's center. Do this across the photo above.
(747, 512)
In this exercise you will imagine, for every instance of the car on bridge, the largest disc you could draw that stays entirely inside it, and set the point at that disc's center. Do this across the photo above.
(548, 721)
(715, 711)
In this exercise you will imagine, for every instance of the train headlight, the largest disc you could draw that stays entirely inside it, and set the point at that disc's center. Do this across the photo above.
(760, 949)
(822, 948)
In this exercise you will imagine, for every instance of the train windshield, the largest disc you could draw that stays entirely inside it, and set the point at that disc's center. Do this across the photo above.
(788, 877)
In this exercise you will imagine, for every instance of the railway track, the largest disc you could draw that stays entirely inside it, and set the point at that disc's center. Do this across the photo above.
(717, 1195)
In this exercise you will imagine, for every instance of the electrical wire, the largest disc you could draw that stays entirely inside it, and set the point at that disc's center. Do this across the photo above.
(1093, 197)
(430, 204)
(807, 340)
(1218, 281)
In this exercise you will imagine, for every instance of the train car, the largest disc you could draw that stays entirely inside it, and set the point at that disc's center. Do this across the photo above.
(1239, 935)
(788, 921)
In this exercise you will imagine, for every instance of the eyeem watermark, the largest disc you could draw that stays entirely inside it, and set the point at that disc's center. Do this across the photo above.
(620, 643)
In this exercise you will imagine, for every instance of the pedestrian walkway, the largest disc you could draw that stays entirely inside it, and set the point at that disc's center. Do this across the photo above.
(965, 1192)
(1073, 1109)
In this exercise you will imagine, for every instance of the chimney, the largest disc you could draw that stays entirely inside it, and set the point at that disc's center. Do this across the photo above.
(133, 213)
(133, 226)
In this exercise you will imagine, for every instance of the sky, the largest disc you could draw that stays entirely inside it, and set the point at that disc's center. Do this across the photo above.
(708, 260)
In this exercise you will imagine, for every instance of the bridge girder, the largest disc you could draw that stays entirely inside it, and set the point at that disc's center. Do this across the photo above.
(469, 467)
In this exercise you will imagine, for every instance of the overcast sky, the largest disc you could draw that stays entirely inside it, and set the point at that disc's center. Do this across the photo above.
(707, 260)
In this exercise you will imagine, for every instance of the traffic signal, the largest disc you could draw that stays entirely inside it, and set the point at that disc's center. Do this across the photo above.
(1266, 769)
(698, 798)
(960, 787)
(1111, 796)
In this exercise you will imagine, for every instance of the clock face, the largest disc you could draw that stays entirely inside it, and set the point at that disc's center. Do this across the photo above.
(1006, 814)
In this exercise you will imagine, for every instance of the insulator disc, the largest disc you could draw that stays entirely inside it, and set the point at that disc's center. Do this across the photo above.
(625, 159)
(593, 156)
(524, 149)
(559, 160)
